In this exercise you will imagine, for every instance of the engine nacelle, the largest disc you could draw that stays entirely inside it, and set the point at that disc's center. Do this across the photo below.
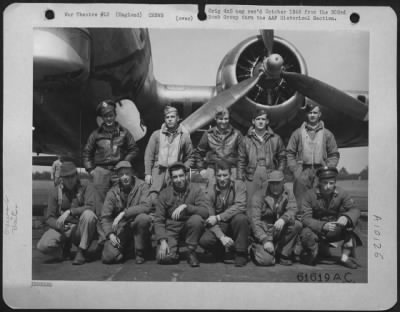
(242, 62)
(61, 56)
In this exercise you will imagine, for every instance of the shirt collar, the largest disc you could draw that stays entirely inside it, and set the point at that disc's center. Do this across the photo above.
(218, 190)
(176, 193)
(319, 126)
(103, 127)
(228, 130)
(319, 194)
(165, 130)
(268, 131)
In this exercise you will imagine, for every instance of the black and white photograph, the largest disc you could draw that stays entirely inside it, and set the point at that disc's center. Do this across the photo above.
(218, 156)
(252, 111)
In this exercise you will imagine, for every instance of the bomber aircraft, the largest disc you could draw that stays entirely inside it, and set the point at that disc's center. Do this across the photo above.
(76, 68)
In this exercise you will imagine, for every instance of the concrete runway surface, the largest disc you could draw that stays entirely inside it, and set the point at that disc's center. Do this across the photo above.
(209, 271)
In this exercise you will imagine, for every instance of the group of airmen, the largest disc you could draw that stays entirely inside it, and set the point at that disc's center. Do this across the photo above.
(243, 211)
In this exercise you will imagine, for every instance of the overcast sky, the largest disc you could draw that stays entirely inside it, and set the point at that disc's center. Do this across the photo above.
(192, 57)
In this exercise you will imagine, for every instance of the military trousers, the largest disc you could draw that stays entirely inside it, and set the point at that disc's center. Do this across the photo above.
(284, 242)
(318, 242)
(102, 181)
(257, 182)
(82, 234)
(236, 228)
(133, 234)
(305, 181)
(190, 231)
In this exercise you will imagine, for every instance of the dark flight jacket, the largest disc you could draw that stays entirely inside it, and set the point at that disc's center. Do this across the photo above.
(107, 148)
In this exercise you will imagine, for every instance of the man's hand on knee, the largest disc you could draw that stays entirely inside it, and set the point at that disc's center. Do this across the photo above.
(269, 247)
(115, 241)
(226, 241)
(163, 250)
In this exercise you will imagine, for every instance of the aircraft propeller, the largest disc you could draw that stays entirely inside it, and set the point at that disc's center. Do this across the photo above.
(269, 73)
(225, 99)
(326, 95)
(267, 36)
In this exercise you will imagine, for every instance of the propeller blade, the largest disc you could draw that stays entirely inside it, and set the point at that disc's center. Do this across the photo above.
(225, 99)
(268, 39)
(326, 95)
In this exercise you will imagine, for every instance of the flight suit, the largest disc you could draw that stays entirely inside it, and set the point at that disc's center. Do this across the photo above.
(83, 202)
(134, 228)
(103, 150)
(266, 210)
(190, 225)
(230, 205)
(158, 172)
(315, 212)
(304, 170)
(215, 145)
(257, 158)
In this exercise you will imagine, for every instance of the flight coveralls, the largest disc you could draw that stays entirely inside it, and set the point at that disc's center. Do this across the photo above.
(79, 227)
(103, 150)
(303, 166)
(215, 145)
(316, 211)
(230, 205)
(266, 210)
(159, 172)
(191, 223)
(135, 227)
(259, 157)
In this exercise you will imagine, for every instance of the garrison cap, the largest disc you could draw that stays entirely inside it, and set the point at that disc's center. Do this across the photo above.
(170, 109)
(327, 172)
(259, 112)
(275, 176)
(67, 168)
(123, 164)
(177, 165)
(221, 111)
(105, 107)
(310, 106)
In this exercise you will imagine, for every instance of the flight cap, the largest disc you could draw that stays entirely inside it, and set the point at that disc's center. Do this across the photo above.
(275, 176)
(123, 164)
(259, 112)
(170, 109)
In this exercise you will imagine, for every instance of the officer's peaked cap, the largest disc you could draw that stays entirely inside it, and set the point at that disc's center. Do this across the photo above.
(327, 172)
(105, 107)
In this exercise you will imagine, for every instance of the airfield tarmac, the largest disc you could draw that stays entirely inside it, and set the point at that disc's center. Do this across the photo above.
(209, 271)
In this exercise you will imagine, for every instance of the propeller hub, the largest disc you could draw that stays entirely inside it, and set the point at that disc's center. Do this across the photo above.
(273, 65)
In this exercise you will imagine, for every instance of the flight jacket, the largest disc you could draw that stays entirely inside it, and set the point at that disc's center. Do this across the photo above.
(107, 148)
(275, 154)
(169, 200)
(266, 210)
(137, 202)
